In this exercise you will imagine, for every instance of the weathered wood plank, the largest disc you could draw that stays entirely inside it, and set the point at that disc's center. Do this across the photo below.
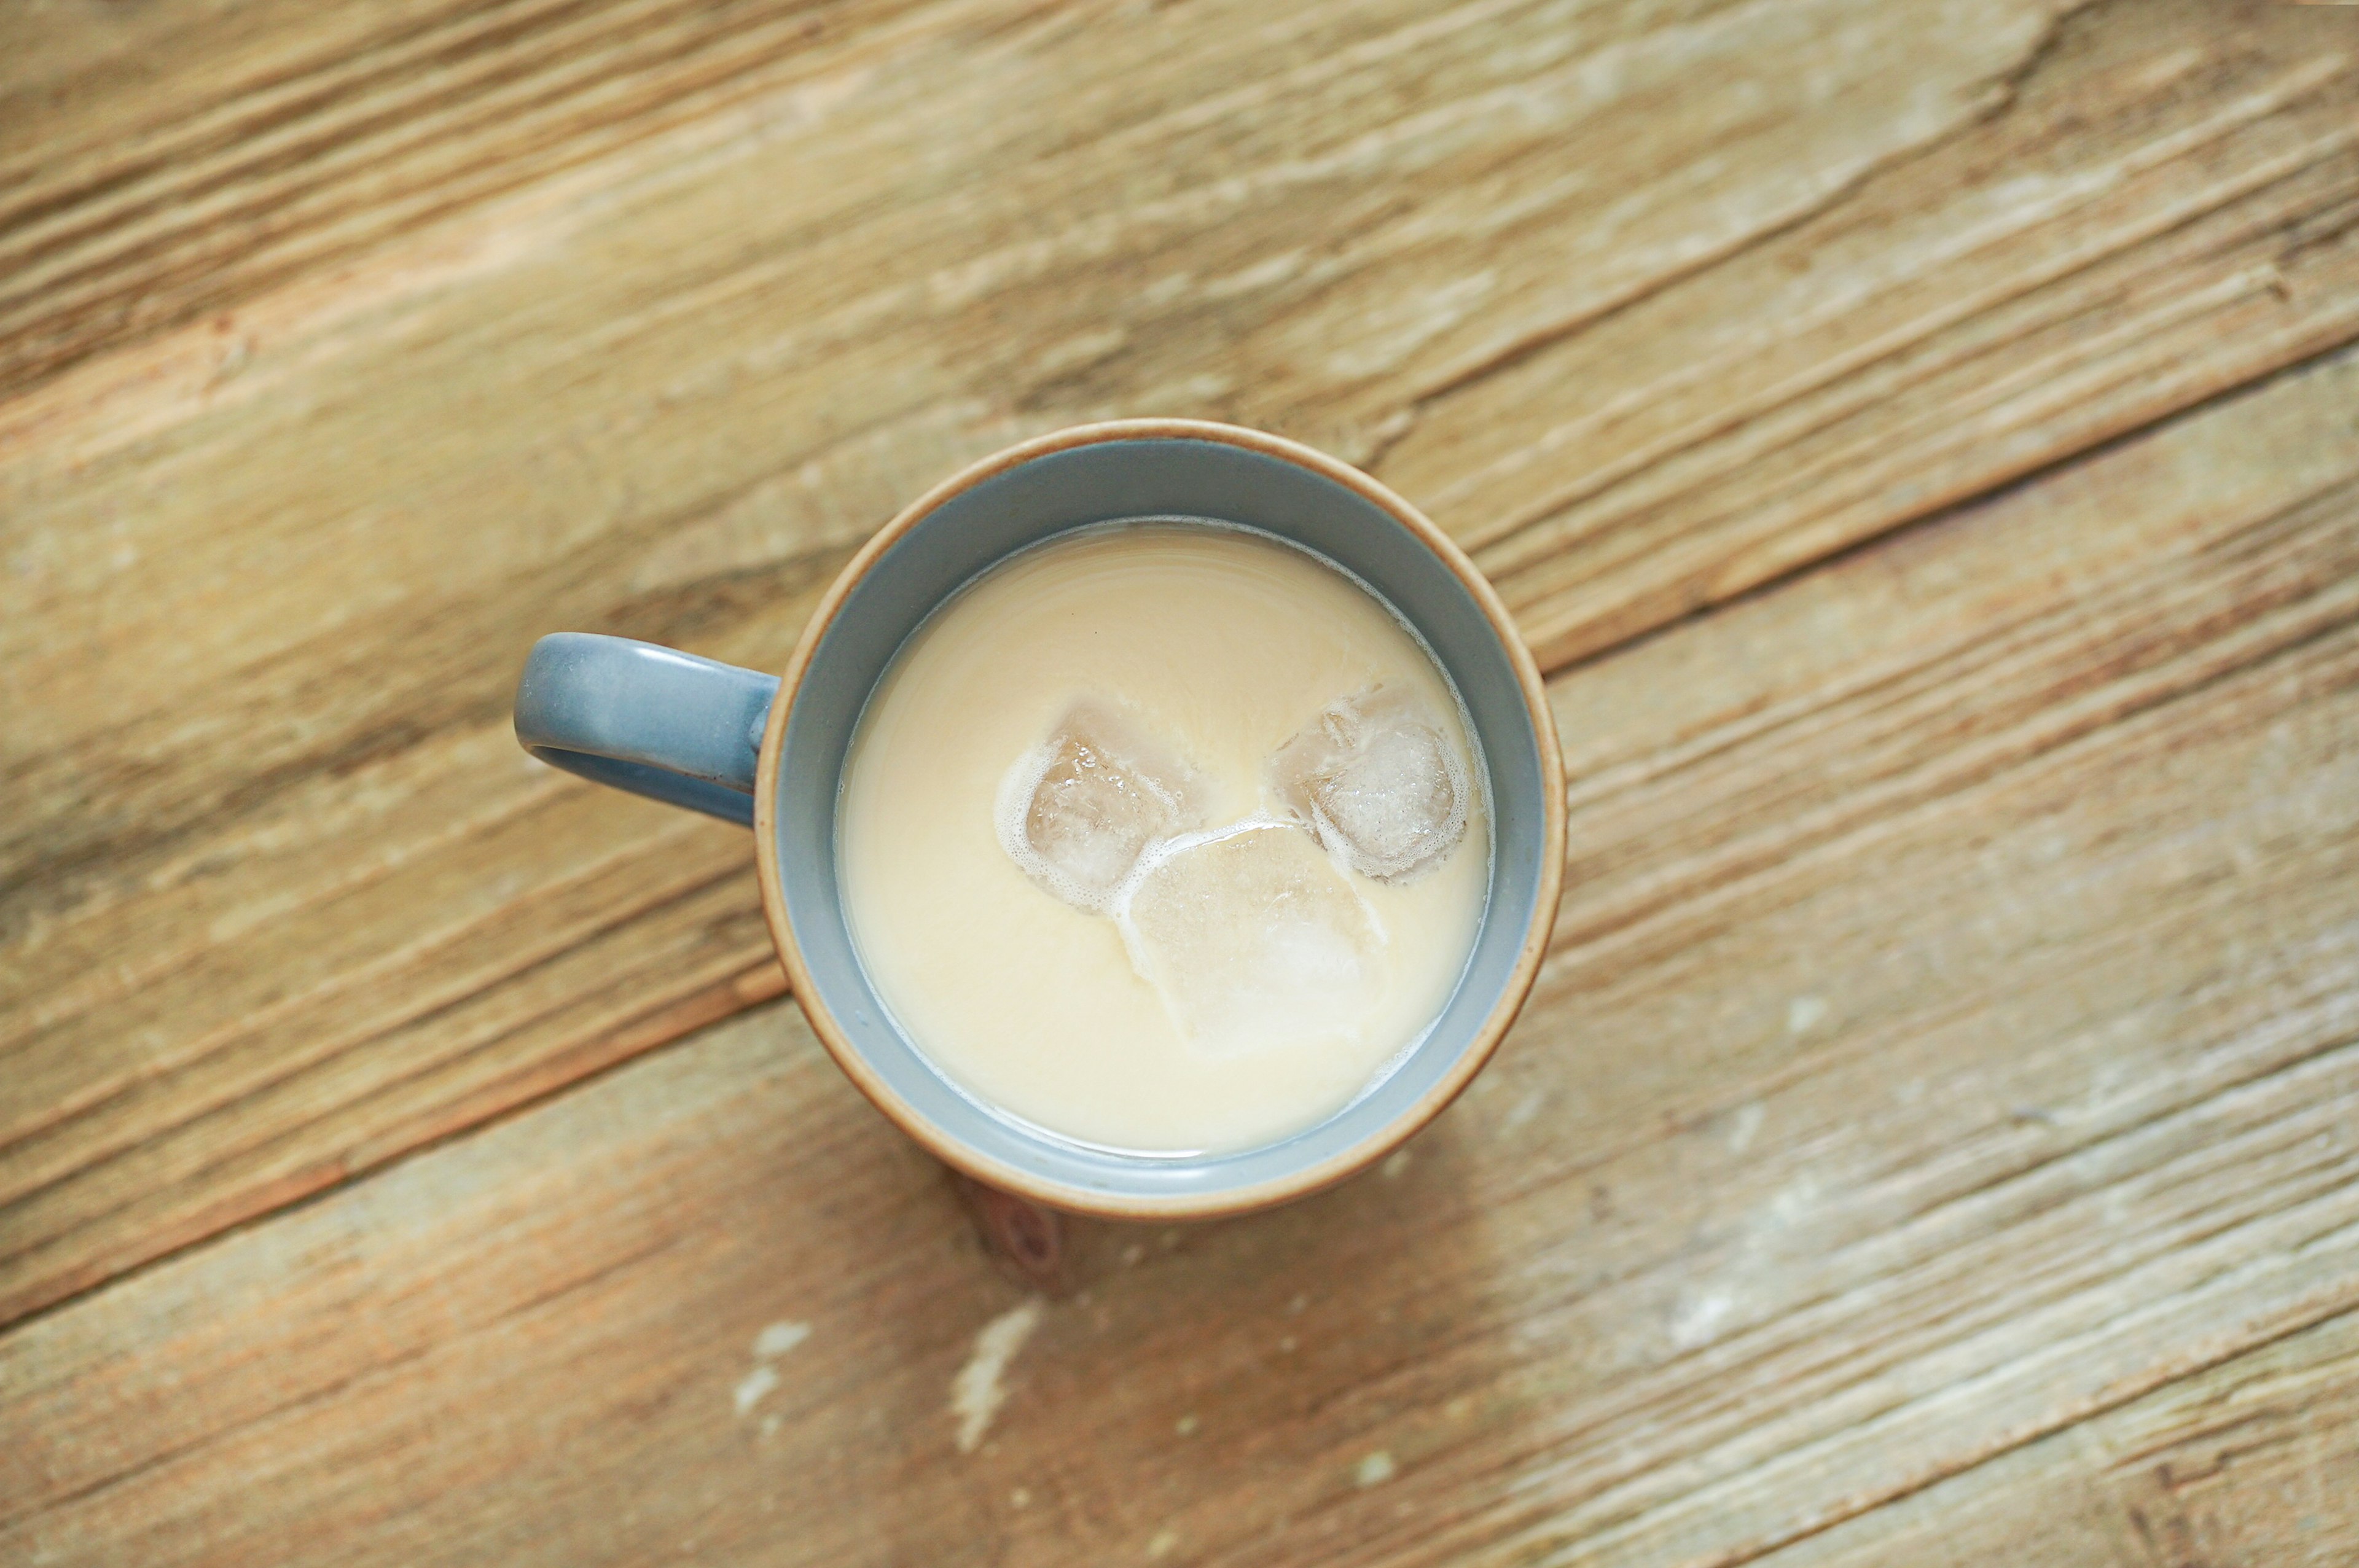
(1953, 1034)
(2018, 832)
(2253, 1461)
(2169, 205)
(278, 894)
(143, 196)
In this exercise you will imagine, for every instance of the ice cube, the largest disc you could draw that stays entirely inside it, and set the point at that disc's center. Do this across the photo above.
(1253, 937)
(1077, 811)
(1377, 778)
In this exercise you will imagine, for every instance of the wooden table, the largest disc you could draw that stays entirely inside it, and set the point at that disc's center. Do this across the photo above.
(1921, 438)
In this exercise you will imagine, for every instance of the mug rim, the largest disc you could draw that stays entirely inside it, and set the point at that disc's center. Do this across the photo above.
(1310, 1178)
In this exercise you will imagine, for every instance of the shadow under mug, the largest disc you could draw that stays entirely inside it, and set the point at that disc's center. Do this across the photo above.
(770, 752)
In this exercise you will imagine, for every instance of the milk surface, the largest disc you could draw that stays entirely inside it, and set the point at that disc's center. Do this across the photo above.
(1211, 648)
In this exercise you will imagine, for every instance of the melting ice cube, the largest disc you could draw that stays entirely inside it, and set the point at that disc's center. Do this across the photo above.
(1253, 939)
(1077, 811)
(1375, 777)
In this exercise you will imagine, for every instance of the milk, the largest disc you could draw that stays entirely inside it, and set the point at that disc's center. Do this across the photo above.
(1150, 1009)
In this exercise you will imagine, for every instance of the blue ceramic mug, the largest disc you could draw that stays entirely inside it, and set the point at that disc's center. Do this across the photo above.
(770, 753)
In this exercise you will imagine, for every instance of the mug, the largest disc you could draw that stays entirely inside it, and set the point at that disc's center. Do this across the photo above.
(770, 753)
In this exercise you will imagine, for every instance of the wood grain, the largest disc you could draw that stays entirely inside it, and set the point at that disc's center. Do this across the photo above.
(2254, 1461)
(345, 353)
(1949, 1059)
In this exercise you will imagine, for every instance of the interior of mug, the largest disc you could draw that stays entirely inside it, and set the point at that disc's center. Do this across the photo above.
(1020, 506)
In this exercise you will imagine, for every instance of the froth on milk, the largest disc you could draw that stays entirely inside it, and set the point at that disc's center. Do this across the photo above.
(1164, 837)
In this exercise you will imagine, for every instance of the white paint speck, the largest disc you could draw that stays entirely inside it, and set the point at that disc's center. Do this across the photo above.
(768, 1346)
(1393, 1167)
(1286, 1343)
(779, 1338)
(1745, 1126)
(753, 1386)
(1375, 1469)
(1185, 1426)
(1805, 1013)
(1021, 1497)
(770, 1425)
(1163, 1542)
(1794, 1203)
(1698, 1318)
(1522, 1110)
(975, 1393)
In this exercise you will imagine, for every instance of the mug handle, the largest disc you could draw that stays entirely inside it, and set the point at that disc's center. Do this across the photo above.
(650, 719)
